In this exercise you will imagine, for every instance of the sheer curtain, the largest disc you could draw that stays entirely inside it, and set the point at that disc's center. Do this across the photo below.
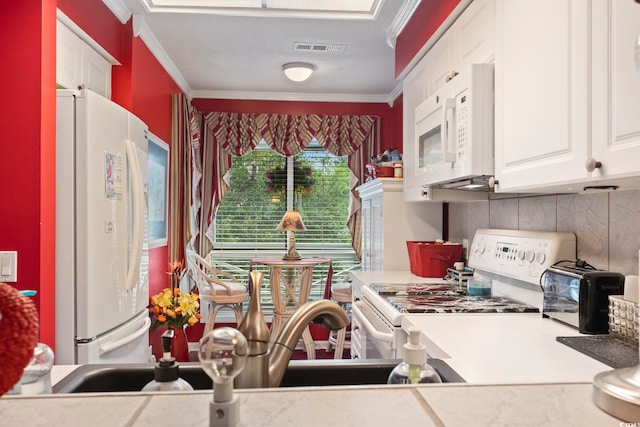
(226, 135)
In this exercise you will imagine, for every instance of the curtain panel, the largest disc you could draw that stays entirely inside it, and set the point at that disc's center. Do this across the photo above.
(184, 136)
(226, 135)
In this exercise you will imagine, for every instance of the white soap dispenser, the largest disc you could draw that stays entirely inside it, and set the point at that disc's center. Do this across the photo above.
(165, 373)
(414, 369)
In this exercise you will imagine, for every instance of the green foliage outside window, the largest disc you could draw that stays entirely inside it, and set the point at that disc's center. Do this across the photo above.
(248, 215)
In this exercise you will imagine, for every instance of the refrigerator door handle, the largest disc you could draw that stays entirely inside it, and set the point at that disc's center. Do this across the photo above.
(104, 349)
(138, 214)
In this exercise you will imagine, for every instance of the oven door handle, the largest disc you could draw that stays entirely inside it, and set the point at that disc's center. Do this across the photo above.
(371, 329)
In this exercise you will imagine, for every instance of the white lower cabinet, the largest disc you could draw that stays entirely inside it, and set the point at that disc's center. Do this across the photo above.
(388, 222)
(567, 95)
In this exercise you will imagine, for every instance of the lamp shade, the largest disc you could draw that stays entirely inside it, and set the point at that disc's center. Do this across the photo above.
(298, 71)
(291, 221)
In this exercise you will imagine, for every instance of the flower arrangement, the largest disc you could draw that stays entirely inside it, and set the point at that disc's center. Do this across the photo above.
(170, 307)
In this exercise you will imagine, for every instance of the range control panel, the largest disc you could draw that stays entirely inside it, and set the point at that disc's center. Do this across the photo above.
(520, 254)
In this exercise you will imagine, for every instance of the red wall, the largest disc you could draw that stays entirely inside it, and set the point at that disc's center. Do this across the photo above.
(27, 130)
(424, 22)
(27, 147)
(397, 121)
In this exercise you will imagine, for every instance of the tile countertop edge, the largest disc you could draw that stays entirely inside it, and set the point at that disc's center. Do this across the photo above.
(429, 404)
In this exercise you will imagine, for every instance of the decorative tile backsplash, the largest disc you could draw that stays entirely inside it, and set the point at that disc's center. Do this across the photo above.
(607, 225)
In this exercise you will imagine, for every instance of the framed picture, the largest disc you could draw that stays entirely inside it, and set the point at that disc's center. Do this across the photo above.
(158, 191)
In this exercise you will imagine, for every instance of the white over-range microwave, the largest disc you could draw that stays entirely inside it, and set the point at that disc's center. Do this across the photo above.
(455, 132)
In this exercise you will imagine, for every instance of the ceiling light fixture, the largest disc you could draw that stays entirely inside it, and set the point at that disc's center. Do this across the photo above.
(298, 71)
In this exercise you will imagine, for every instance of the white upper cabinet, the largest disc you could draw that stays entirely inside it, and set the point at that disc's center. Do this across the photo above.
(475, 34)
(78, 64)
(469, 40)
(616, 90)
(567, 93)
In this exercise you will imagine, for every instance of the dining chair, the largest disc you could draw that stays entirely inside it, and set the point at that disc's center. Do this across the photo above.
(217, 288)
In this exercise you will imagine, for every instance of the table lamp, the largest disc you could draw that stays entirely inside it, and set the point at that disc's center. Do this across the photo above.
(291, 221)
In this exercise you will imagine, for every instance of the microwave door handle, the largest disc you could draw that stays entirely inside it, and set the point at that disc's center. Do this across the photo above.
(447, 135)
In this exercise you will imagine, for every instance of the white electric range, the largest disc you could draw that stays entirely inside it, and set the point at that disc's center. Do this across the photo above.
(514, 259)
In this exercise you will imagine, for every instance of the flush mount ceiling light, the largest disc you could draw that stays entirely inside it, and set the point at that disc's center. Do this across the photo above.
(297, 71)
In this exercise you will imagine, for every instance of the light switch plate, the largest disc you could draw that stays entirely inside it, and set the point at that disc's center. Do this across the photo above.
(8, 266)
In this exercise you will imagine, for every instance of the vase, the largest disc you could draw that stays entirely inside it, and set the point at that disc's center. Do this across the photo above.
(180, 345)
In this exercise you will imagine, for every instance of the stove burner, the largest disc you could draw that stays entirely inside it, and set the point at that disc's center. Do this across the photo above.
(443, 288)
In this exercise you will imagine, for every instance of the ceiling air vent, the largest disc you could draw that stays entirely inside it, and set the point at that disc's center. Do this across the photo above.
(319, 47)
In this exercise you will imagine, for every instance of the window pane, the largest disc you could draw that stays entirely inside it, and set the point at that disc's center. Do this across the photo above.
(247, 217)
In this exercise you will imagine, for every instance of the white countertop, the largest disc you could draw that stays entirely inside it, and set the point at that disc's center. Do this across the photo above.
(508, 348)
(504, 348)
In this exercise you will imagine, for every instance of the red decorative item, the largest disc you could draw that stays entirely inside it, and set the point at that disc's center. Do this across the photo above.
(431, 259)
(18, 335)
(180, 345)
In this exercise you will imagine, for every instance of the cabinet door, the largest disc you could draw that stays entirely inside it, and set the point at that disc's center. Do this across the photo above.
(377, 233)
(441, 61)
(474, 33)
(68, 57)
(616, 88)
(78, 64)
(96, 72)
(542, 69)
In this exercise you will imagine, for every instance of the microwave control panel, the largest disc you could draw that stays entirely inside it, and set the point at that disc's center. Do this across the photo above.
(462, 125)
(520, 254)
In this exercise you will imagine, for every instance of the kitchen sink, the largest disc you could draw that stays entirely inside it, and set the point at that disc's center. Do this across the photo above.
(299, 373)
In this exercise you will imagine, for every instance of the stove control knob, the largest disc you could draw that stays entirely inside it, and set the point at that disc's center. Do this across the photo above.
(520, 254)
(529, 256)
(540, 257)
(480, 247)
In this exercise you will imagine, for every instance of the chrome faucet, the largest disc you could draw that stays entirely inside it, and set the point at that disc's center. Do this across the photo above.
(265, 367)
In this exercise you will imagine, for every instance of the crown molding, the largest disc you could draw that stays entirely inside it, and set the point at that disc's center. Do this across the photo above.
(119, 9)
(288, 96)
(400, 21)
(142, 30)
(395, 93)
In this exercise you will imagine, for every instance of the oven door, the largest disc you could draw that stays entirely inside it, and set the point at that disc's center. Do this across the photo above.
(372, 336)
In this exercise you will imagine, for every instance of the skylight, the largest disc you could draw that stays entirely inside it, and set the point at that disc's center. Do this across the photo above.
(335, 9)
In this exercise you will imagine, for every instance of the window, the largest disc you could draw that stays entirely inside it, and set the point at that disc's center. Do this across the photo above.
(261, 192)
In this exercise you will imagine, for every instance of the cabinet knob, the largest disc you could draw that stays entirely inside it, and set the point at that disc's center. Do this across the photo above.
(592, 164)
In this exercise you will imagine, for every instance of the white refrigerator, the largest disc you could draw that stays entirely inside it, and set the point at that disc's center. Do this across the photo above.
(102, 253)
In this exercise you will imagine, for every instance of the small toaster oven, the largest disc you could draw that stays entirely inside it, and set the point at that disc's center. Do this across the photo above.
(577, 294)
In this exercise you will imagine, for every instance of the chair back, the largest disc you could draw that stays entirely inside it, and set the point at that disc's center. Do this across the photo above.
(207, 276)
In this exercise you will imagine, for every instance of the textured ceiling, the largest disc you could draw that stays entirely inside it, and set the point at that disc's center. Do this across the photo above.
(222, 55)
